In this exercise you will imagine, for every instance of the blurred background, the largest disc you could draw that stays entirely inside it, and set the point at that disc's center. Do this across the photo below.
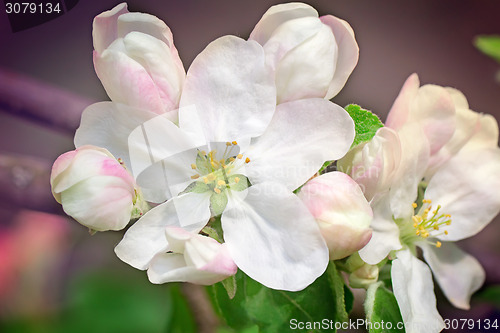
(55, 277)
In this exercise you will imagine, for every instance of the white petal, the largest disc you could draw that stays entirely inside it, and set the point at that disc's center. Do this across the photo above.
(467, 188)
(414, 291)
(459, 274)
(170, 267)
(105, 27)
(307, 70)
(232, 90)
(100, 203)
(146, 237)
(277, 15)
(274, 239)
(160, 64)
(302, 135)
(341, 210)
(109, 125)
(208, 255)
(348, 53)
(413, 163)
(385, 233)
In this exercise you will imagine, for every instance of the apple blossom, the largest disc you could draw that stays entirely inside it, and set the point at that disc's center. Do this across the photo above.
(191, 258)
(269, 233)
(342, 212)
(136, 60)
(457, 200)
(95, 189)
(312, 56)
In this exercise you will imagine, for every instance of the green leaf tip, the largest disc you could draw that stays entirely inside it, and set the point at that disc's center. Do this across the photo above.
(366, 123)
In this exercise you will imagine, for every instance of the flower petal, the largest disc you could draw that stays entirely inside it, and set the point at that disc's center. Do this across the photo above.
(341, 210)
(208, 255)
(100, 203)
(297, 143)
(108, 125)
(348, 53)
(105, 27)
(232, 90)
(459, 274)
(277, 15)
(273, 238)
(486, 136)
(307, 70)
(399, 113)
(385, 233)
(414, 291)
(146, 237)
(467, 188)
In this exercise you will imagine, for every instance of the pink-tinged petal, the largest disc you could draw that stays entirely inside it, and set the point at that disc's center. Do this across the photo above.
(385, 233)
(127, 82)
(146, 238)
(177, 238)
(341, 210)
(348, 53)
(399, 113)
(296, 144)
(486, 135)
(468, 123)
(105, 29)
(277, 15)
(208, 255)
(374, 164)
(307, 70)
(229, 64)
(414, 290)
(273, 238)
(467, 188)
(459, 274)
(101, 203)
(160, 64)
(109, 125)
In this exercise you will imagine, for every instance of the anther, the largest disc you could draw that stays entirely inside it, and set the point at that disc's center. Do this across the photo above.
(221, 183)
(236, 180)
(438, 244)
(234, 143)
(193, 166)
(216, 190)
(247, 160)
(195, 176)
(239, 156)
(228, 144)
(414, 205)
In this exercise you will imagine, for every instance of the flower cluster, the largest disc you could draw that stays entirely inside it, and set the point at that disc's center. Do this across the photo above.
(222, 167)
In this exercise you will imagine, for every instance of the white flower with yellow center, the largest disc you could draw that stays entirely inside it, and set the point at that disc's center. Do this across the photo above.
(234, 153)
(450, 160)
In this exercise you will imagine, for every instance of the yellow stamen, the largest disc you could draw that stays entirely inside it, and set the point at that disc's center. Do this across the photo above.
(247, 160)
(236, 180)
(446, 232)
(438, 244)
(193, 166)
(239, 156)
(414, 205)
(195, 176)
(221, 183)
(234, 143)
(216, 190)
(228, 144)
(205, 180)
(231, 159)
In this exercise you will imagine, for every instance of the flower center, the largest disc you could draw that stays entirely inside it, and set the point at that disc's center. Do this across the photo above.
(426, 223)
(219, 173)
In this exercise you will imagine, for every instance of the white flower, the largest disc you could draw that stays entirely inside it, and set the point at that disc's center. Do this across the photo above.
(136, 60)
(191, 258)
(341, 210)
(95, 189)
(461, 168)
(312, 56)
(228, 96)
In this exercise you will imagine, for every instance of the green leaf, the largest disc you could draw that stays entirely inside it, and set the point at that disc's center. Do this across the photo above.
(230, 285)
(381, 305)
(338, 286)
(491, 295)
(365, 122)
(489, 45)
(274, 310)
(218, 201)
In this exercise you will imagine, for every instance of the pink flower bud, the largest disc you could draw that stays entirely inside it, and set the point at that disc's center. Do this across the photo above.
(95, 189)
(341, 210)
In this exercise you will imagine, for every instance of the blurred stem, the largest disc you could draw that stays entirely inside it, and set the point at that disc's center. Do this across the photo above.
(199, 303)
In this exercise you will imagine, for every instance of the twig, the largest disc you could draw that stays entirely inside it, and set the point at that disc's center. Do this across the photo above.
(204, 315)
